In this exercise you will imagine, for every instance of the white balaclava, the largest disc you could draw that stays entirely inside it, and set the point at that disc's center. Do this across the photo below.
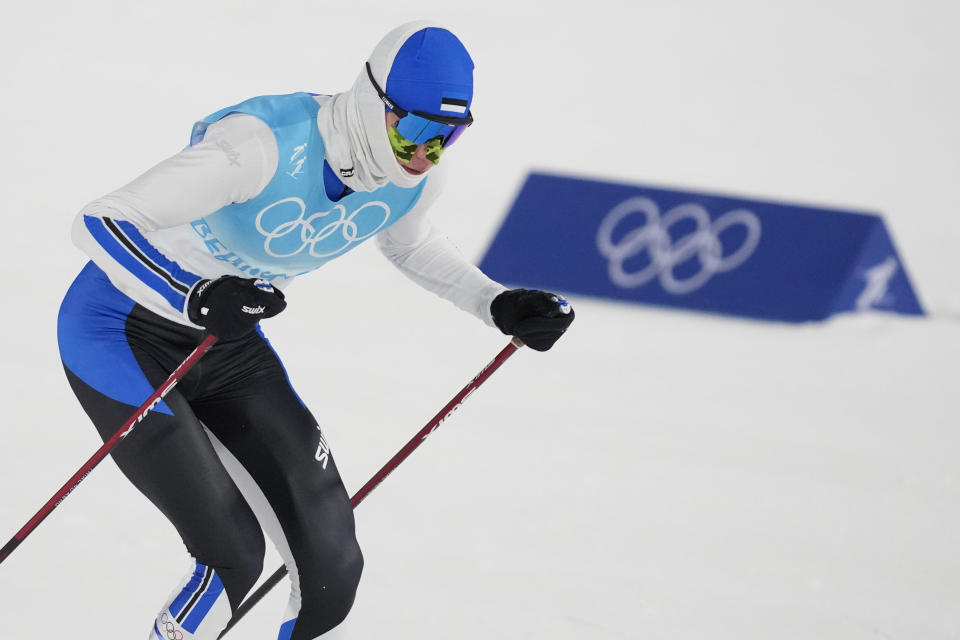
(353, 127)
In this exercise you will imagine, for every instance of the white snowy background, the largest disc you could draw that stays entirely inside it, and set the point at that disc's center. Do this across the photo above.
(658, 474)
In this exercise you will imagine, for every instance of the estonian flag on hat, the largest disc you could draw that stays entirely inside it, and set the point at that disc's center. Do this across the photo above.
(453, 104)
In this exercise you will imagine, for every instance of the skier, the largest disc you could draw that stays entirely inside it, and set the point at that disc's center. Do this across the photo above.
(206, 241)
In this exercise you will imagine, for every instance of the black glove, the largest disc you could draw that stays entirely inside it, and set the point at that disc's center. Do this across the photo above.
(230, 306)
(538, 318)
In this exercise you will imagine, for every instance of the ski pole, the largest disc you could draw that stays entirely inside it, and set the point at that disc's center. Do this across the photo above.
(102, 452)
(388, 468)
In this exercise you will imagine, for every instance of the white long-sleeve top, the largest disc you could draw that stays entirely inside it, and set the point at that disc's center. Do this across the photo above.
(234, 162)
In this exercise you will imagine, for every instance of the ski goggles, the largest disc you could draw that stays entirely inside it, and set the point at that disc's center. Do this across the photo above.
(404, 149)
(417, 127)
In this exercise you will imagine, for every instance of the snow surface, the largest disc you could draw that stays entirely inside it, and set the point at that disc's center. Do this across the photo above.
(658, 474)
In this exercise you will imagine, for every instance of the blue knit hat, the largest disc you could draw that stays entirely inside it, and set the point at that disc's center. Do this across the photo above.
(432, 72)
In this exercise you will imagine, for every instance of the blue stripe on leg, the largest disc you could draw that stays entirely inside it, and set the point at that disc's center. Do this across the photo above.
(188, 590)
(286, 629)
(204, 604)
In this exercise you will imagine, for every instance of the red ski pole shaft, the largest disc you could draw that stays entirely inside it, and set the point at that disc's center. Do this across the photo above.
(102, 452)
(435, 422)
(388, 468)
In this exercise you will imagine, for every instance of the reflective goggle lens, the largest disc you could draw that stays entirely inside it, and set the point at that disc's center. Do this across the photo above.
(419, 129)
(404, 149)
(434, 148)
(455, 134)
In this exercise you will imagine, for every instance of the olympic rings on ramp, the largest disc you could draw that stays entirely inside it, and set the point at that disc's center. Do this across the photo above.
(653, 237)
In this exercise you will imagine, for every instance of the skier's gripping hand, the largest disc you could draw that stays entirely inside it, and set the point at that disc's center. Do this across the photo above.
(230, 307)
(538, 318)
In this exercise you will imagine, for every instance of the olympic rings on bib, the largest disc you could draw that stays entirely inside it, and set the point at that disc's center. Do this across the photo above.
(288, 231)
